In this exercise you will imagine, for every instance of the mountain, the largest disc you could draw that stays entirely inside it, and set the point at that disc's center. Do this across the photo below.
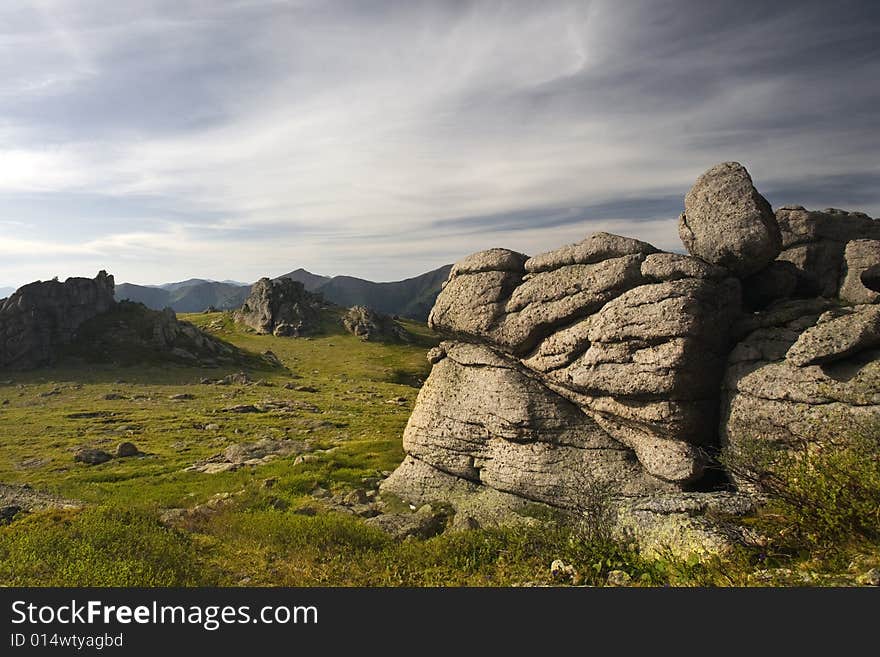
(194, 295)
(412, 297)
(311, 281)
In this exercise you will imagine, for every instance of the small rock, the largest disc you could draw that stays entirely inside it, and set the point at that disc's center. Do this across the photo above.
(270, 482)
(125, 449)
(212, 427)
(91, 456)
(358, 496)
(7, 513)
(619, 578)
(181, 397)
(561, 571)
(870, 578)
(112, 396)
(242, 408)
(305, 389)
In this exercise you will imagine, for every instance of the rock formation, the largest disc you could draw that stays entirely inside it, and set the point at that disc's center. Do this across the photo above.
(130, 333)
(608, 369)
(280, 307)
(372, 326)
(45, 320)
(42, 316)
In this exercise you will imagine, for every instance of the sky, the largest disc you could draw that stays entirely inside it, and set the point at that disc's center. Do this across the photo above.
(229, 139)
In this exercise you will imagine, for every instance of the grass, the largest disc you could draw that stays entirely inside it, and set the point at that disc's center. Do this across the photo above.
(260, 535)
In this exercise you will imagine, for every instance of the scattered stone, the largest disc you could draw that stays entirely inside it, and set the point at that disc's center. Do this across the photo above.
(91, 456)
(561, 571)
(619, 578)
(8, 513)
(422, 524)
(256, 453)
(870, 578)
(242, 408)
(184, 396)
(125, 449)
(212, 427)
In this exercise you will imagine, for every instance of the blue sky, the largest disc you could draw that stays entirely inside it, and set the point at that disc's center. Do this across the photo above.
(229, 139)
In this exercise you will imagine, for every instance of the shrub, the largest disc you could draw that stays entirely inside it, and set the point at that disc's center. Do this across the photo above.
(821, 495)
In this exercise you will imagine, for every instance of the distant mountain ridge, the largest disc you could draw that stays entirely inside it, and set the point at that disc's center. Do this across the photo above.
(412, 298)
(192, 296)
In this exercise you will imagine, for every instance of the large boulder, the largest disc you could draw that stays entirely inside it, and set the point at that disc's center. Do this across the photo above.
(594, 365)
(727, 222)
(282, 307)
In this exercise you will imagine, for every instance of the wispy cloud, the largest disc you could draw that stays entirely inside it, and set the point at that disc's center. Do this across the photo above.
(163, 139)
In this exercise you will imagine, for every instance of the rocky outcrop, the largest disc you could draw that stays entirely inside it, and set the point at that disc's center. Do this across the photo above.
(131, 333)
(371, 326)
(816, 243)
(608, 369)
(280, 307)
(43, 316)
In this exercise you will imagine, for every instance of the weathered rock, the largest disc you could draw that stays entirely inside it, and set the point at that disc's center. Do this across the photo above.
(618, 578)
(837, 335)
(91, 456)
(591, 376)
(727, 222)
(598, 247)
(282, 307)
(256, 453)
(661, 267)
(40, 317)
(801, 379)
(371, 326)
(561, 571)
(424, 523)
(480, 417)
(815, 243)
(861, 272)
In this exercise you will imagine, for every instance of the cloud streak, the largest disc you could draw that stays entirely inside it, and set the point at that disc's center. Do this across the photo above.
(163, 140)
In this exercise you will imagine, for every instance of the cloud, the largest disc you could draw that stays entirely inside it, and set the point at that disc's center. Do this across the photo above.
(164, 140)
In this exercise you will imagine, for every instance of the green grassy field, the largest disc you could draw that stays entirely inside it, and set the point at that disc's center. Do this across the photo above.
(258, 525)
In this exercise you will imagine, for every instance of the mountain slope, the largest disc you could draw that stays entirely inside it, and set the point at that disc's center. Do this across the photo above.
(311, 281)
(412, 297)
(187, 296)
